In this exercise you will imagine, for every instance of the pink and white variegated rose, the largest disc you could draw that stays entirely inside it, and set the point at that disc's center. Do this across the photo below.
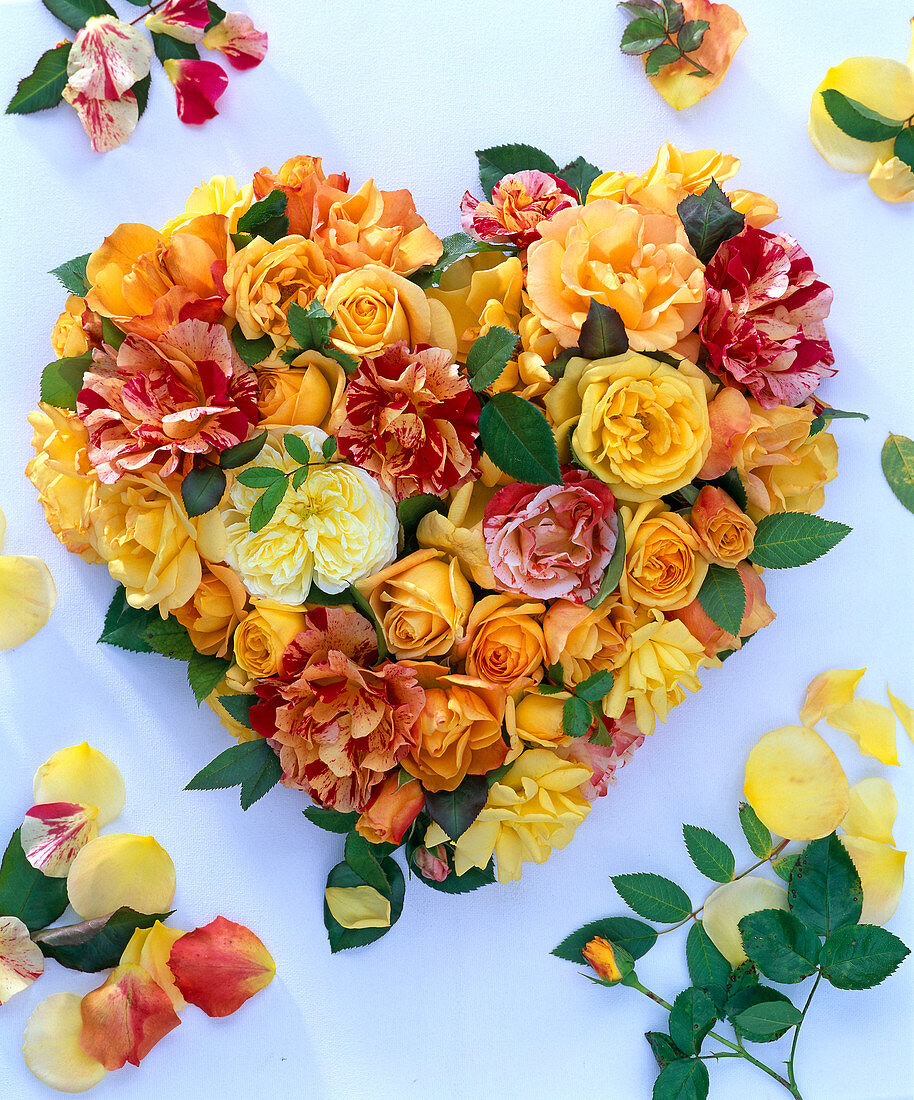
(161, 403)
(552, 541)
(604, 760)
(762, 325)
(519, 203)
(198, 84)
(184, 20)
(236, 36)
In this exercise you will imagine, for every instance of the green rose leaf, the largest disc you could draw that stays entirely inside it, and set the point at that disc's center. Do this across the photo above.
(266, 218)
(62, 380)
(216, 14)
(310, 327)
(26, 893)
(412, 510)
(141, 91)
(596, 687)
(691, 34)
(343, 875)
(686, 1079)
(488, 357)
(252, 764)
(251, 351)
(264, 508)
(613, 574)
(692, 1017)
(202, 489)
(77, 13)
(731, 483)
(708, 968)
(767, 1017)
(167, 637)
(168, 48)
(653, 897)
(296, 448)
(754, 997)
(602, 334)
(72, 274)
(857, 120)
(827, 415)
(744, 977)
(94, 945)
(898, 467)
(904, 147)
(455, 811)
(328, 448)
(361, 857)
(645, 8)
(663, 1049)
(789, 539)
(642, 35)
(261, 477)
(332, 821)
(455, 247)
(723, 598)
(43, 88)
(757, 836)
(580, 175)
(504, 160)
(239, 707)
(782, 947)
(709, 853)
(517, 437)
(124, 625)
(111, 334)
(663, 55)
(673, 14)
(242, 453)
(824, 888)
(783, 867)
(576, 717)
(364, 608)
(860, 956)
(709, 220)
(204, 672)
(633, 935)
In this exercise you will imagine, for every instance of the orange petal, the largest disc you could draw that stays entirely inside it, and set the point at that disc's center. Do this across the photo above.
(150, 948)
(219, 966)
(27, 598)
(125, 1018)
(81, 774)
(51, 1045)
(881, 871)
(873, 809)
(121, 869)
(54, 833)
(721, 41)
(21, 960)
(829, 691)
(903, 712)
(871, 725)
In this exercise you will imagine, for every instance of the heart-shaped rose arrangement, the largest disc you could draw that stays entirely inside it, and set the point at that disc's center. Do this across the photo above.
(441, 528)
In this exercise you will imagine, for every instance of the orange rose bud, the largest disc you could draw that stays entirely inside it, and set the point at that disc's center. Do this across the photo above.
(125, 1018)
(725, 533)
(219, 966)
(610, 962)
(391, 811)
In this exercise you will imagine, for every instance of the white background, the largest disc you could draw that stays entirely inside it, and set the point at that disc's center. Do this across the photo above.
(462, 999)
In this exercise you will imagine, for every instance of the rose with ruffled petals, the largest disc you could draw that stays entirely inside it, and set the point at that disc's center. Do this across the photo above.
(299, 179)
(519, 203)
(504, 640)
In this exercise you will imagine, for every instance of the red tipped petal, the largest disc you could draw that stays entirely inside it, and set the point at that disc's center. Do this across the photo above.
(236, 36)
(198, 84)
(185, 20)
(125, 1018)
(219, 966)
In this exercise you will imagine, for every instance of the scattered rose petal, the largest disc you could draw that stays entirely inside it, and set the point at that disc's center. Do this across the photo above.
(121, 869)
(150, 948)
(81, 774)
(185, 20)
(795, 784)
(125, 1018)
(903, 712)
(108, 122)
(871, 725)
(892, 180)
(881, 871)
(198, 84)
(21, 960)
(236, 36)
(107, 58)
(727, 906)
(718, 47)
(219, 966)
(435, 835)
(828, 691)
(358, 906)
(53, 833)
(27, 598)
(873, 809)
(51, 1045)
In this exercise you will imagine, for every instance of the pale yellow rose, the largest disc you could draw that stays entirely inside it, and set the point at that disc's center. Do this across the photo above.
(664, 567)
(459, 531)
(67, 336)
(215, 609)
(263, 635)
(310, 390)
(504, 640)
(481, 292)
(759, 210)
(800, 485)
(585, 640)
(220, 195)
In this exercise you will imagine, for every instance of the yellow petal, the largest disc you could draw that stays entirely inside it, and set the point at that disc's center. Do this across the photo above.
(795, 784)
(2, 526)
(881, 871)
(904, 713)
(81, 774)
(871, 725)
(21, 960)
(721, 41)
(880, 84)
(358, 906)
(435, 835)
(121, 869)
(51, 1045)
(873, 808)
(892, 180)
(27, 598)
(729, 903)
(150, 948)
(829, 691)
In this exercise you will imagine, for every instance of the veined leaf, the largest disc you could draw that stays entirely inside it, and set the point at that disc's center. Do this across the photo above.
(264, 508)
(239, 707)
(43, 87)
(692, 1017)
(824, 888)
(517, 437)
(767, 1017)
(488, 357)
(782, 947)
(662, 55)
(709, 220)
(62, 380)
(788, 539)
(636, 937)
(168, 48)
(858, 120)
(576, 717)
(242, 453)
(332, 821)
(723, 598)
(904, 147)
(771, 1023)
(77, 13)
(653, 897)
(202, 489)
(124, 625)
(898, 467)
(97, 944)
(861, 956)
(757, 836)
(708, 968)
(251, 351)
(343, 875)
(266, 218)
(455, 811)
(168, 638)
(603, 334)
(311, 327)
(504, 160)
(709, 853)
(580, 174)
(240, 764)
(25, 892)
(596, 687)
(72, 274)
(828, 414)
(204, 672)
(642, 35)
(361, 857)
(686, 1079)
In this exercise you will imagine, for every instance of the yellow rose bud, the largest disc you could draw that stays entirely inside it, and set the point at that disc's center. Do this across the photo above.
(611, 963)
(538, 718)
(67, 336)
(262, 637)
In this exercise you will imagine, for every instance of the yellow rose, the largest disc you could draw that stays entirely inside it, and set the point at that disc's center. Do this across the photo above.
(263, 635)
(311, 390)
(221, 195)
(800, 486)
(422, 602)
(67, 336)
(640, 426)
(526, 374)
(504, 640)
(235, 682)
(215, 609)
(759, 210)
(264, 279)
(673, 175)
(459, 531)
(537, 719)
(663, 564)
(480, 292)
(585, 641)
(374, 308)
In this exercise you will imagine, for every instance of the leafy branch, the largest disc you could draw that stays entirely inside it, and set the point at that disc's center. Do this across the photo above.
(652, 33)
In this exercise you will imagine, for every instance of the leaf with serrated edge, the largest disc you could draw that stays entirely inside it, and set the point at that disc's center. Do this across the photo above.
(636, 937)
(723, 598)
(488, 356)
(653, 897)
(709, 853)
(580, 175)
(43, 87)
(360, 856)
(239, 707)
(898, 467)
(242, 453)
(824, 888)
(204, 671)
(642, 35)
(857, 120)
(686, 1079)
(124, 624)
(757, 836)
(72, 274)
(25, 892)
(789, 539)
(231, 767)
(861, 956)
(333, 821)
(263, 779)
(517, 438)
(596, 686)
(767, 1017)
(96, 944)
(202, 489)
(692, 1017)
(709, 220)
(708, 968)
(455, 811)
(576, 718)
(782, 947)
(265, 506)
(504, 160)
(613, 574)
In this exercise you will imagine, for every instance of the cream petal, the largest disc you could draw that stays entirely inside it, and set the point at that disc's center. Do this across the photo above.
(121, 869)
(27, 598)
(54, 833)
(51, 1045)
(21, 960)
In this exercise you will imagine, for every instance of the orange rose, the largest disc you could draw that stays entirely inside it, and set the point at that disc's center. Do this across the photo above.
(725, 533)
(663, 565)
(298, 179)
(312, 392)
(263, 635)
(585, 641)
(504, 641)
(391, 811)
(215, 609)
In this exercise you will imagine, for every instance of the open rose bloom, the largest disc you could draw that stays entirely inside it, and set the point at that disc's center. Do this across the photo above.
(444, 531)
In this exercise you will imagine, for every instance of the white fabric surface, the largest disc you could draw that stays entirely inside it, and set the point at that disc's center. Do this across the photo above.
(462, 999)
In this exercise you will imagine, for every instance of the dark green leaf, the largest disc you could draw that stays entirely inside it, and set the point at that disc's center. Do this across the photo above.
(328, 448)
(204, 671)
(709, 853)
(517, 437)
(252, 352)
(300, 476)
(673, 14)
(266, 218)
(242, 453)
(141, 91)
(361, 604)
(62, 380)
(343, 875)
(296, 448)
(455, 811)
(789, 539)
(723, 598)
(653, 897)
(576, 717)
(708, 968)
(239, 707)
(692, 1018)
(556, 674)
(861, 956)
(43, 88)
(111, 334)
(898, 467)
(202, 489)
(857, 120)
(644, 7)
(626, 932)
(757, 836)
(34, 898)
(824, 888)
(360, 856)
(310, 327)
(580, 174)
(754, 996)
(504, 160)
(642, 35)
(691, 34)
(782, 947)
(349, 365)
(73, 274)
(663, 1049)
(603, 335)
(767, 1017)
(828, 414)
(744, 977)
(613, 574)
(332, 821)
(709, 220)
(265, 506)
(261, 477)
(686, 1079)
(124, 624)
(77, 13)
(904, 147)
(168, 637)
(488, 356)
(239, 764)
(168, 48)
(663, 55)
(598, 685)
(262, 779)
(216, 14)
(97, 944)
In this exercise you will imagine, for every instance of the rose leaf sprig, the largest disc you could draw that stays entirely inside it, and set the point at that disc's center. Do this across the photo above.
(652, 30)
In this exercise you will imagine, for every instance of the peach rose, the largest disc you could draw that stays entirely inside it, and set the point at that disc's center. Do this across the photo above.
(480, 292)
(67, 336)
(585, 641)
(725, 533)
(713, 637)
(215, 609)
(504, 641)
(422, 602)
(264, 635)
(299, 179)
(310, 390)
(638, 263)
(664, 567)
(391, 811)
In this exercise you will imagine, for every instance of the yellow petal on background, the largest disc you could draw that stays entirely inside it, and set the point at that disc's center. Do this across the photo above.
(903, 712)
(729, 903)
(871, 725)
(27, 598)
(2, 526)
(722, 39)
(829, 691)
(121, 869)
(892, 180)
(81, 774)
(358, 906)
(151, 948)
(51, 1045)
(21, 960)
(795, 784)
(881, 871)
(873, 809)
(54, 833)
